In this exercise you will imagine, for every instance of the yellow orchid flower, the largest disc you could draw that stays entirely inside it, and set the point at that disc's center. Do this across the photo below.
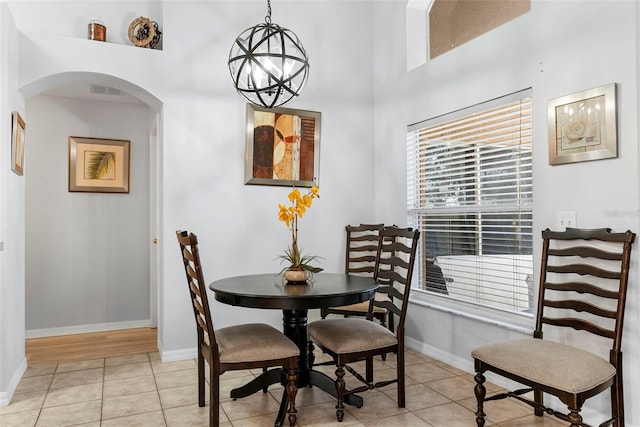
(290, 215)
(283, 214)
(300, 210)
(294, 196)
(306, 200)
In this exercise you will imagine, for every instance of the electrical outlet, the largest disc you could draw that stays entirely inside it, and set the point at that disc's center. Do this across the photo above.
(565, 220)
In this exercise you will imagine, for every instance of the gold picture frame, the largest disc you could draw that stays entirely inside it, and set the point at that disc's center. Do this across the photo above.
(98, 165)
(282, 147)
(17, 143)
(582, 126)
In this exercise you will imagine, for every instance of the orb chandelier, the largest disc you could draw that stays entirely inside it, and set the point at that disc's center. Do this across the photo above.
(268, 64)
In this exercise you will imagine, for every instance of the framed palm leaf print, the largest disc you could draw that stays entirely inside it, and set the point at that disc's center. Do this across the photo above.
(17, 143)
(98, 165)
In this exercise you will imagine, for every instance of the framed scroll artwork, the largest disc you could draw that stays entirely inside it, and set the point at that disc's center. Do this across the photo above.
(282, 147)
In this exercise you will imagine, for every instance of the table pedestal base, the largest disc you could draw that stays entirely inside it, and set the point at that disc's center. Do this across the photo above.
(295, 327)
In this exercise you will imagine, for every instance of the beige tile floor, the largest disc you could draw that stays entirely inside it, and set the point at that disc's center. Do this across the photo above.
(140, 390)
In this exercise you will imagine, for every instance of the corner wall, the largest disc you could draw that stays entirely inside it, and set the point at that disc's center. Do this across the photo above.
(203, 137)
(557, 49)
(12, 358)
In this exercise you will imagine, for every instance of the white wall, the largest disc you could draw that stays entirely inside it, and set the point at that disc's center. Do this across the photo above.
(102, 274)
(203, 136)
(12, 359)
(559, 48)
(72, 17)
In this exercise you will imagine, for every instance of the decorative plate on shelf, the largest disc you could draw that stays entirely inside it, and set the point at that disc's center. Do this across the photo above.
(144, 32)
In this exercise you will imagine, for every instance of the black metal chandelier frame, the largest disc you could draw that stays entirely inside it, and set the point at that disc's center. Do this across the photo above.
(262, 49)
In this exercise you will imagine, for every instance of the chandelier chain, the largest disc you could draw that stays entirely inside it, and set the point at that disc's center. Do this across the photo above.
(267, 18)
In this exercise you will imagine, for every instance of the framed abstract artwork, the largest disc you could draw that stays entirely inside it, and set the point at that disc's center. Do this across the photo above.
(98, 165)
(282, 146)
(582, 126)
(17, 143)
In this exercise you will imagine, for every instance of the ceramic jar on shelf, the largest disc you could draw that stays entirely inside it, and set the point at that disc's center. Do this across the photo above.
(96, 30)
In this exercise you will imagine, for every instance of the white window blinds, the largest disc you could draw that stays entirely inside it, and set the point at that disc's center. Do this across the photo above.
(469, 191)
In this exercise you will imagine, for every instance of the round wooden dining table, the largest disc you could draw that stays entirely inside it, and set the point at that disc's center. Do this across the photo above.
(270, 291)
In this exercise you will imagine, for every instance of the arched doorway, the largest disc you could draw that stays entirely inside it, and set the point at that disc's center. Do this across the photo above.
(91, 260)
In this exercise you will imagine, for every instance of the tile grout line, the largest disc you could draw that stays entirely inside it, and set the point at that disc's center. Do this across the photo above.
(162, 408)
(46, 394)
(388, 393)
(104, 374)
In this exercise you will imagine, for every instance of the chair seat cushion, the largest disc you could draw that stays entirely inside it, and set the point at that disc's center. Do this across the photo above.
(362, 307)
(253, 342)
(350, 335)
(560, 366)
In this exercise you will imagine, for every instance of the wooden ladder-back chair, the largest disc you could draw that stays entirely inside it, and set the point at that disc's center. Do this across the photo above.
(583, 286)
(349, 340)
(237, 347)
(360, 259)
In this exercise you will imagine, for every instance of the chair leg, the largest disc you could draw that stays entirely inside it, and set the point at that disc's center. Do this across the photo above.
(340, 391)
(266, 388)
(292, 389)
(214, 397)
(400, 373)
(383, 322)
(201, 387)
(323, 313)
(574, 417)
(480, 393)
(382, 317)
(538, 397)
(369, 369)
(617, 401)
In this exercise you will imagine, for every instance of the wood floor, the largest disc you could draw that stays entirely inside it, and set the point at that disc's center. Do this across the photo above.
(69, 348)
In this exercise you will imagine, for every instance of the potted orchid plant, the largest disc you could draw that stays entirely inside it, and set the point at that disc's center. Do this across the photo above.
(298, 267)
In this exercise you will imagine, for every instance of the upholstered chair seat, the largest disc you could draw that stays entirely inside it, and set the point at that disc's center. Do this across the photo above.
(253, 342)
(361, 308)
(238, 347)
(351, 339)
(572, 370)
(360, 259)
(583, 280)
(351, 335)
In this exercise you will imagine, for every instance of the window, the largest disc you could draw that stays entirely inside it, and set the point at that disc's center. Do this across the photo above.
(469, 191)
(455, 22)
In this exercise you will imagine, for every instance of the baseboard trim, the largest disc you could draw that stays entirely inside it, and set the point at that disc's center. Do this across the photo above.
(176, 355)
(452, 360)
(6, 396)
(83, 329)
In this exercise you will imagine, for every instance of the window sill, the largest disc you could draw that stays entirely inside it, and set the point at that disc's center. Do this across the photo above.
(514, 322)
